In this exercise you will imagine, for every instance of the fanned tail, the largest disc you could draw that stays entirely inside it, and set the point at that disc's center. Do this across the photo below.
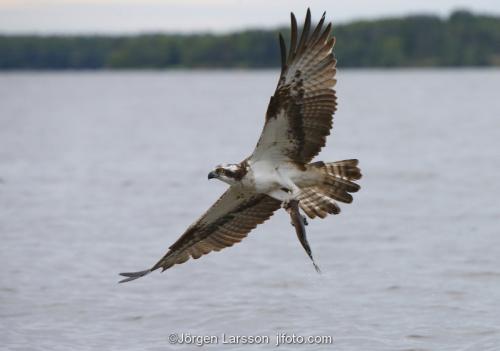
(337, 183)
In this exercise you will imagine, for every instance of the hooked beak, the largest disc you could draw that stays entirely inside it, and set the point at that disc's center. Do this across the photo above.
(212, 175)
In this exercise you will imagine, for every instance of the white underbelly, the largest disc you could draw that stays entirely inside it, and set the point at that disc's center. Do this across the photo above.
(263, 177)
(268, 178)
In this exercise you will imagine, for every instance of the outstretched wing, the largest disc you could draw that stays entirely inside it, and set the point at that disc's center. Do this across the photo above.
(227, 222)
(300, 113)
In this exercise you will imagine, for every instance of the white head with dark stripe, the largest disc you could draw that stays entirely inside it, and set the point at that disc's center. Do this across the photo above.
(229, 173)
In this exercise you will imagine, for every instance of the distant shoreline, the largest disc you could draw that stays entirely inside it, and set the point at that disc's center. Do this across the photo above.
(464, 39)
(243, 70)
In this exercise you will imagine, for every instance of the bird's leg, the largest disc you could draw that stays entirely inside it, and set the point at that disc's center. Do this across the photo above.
(289, 191)
(292, 207)
(289, 194)
(287, 200)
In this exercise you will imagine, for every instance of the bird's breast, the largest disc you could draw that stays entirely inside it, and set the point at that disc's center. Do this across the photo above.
(261, 178)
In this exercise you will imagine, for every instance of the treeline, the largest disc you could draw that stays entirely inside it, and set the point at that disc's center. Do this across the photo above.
(463, 39)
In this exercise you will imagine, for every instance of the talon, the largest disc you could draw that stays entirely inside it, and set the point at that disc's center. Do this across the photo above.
(289, 204)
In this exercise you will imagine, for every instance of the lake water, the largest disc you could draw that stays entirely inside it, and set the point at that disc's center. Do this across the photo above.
(101, 172)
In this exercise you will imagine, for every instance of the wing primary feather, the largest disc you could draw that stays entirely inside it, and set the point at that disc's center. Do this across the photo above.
(305, 33)
(293, 37)
(283, 53)
(325, 33)
(134, 275)
(317, 30)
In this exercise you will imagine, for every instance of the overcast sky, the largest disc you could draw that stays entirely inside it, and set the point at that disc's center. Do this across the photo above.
(132, 16)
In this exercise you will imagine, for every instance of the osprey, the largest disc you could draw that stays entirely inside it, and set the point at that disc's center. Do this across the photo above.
(279, 172)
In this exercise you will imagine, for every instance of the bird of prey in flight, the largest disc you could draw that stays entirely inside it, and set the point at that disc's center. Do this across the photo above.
(279, 173)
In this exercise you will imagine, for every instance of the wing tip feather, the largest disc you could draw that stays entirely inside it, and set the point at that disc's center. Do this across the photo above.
(134, 275)
(283, 52)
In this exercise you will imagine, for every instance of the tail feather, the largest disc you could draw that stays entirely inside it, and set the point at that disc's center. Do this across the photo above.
(340, 183)
(336, 192)
(346, 169)
(336, 184)
(314, 203)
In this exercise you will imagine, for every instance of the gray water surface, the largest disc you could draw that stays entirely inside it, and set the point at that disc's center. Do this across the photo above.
(101, 172)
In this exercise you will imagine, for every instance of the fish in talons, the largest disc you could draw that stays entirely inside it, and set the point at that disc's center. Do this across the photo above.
(299, 222)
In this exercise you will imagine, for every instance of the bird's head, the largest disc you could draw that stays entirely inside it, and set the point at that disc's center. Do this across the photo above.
(228, 173)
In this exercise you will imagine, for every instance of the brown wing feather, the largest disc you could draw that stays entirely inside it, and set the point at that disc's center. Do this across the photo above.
(300, 113)
(227, 222)
(226, 230)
